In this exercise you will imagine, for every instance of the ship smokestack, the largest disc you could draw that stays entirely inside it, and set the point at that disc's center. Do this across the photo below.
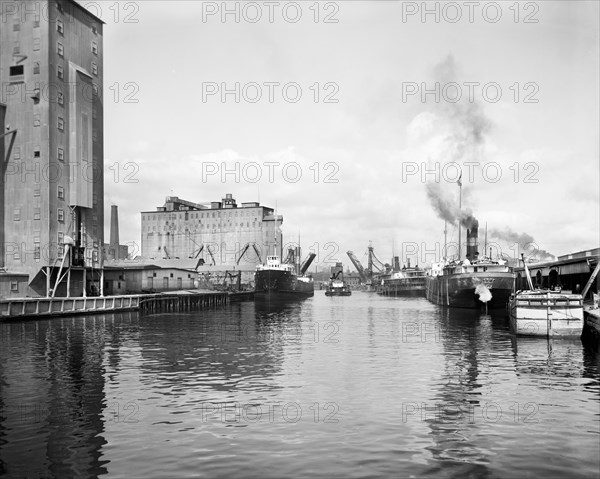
(472, 242)
(114, 230)
(396, 263)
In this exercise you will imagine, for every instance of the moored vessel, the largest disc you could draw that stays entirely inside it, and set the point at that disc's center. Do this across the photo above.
(279, 281)
(409, 281)
(471, 283)
(545, 312)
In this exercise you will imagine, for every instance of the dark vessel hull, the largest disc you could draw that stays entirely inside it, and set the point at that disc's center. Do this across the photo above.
(271, 285)
(338, 292)
(458, 290)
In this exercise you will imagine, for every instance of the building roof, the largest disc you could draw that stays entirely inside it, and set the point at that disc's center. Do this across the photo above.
(81, 7)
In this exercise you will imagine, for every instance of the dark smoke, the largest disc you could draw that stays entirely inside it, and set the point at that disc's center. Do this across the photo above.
(468, 118)
(525, 242)
(444, 205)
(468, 220)
(469, 126)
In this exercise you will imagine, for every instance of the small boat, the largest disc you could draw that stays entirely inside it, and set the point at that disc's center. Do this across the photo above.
(337, 288)
(545, 312)
(336, 285)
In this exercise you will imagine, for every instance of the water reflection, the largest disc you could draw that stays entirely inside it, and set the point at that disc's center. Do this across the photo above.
(52, 396)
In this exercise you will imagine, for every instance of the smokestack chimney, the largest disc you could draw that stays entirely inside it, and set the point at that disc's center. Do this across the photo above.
(396, 263)
(472, 243)
(114, 230)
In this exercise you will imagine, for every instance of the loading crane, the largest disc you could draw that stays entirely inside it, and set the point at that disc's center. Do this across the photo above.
(243, 251)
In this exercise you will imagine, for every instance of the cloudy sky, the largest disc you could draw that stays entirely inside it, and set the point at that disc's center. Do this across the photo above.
(356, 115)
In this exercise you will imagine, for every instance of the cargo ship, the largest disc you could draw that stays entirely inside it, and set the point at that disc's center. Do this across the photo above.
(275, 280)
(471, 283)
(409, 281)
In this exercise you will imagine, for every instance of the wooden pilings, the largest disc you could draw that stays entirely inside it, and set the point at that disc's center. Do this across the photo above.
(182, 302)
(36, 308)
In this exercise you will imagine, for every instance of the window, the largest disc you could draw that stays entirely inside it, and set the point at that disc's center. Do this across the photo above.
(14, 286)
(16, 48)
(60, 154)
(17, 215)
(94, 30)
(61, 123)
(36, 22)
(61, 215)
(61, 192)
(60, 72)
(36, 191)
(61, 237)
(36, 151)
(36, 68)
(36, 214)
(94, 47)
(17, 153)
(36, 44)
(36, 251)
(60, 98)
(60, 49)
(60, 27)
(16, 70)
(16, 255)
(36, 120)
(95, 68)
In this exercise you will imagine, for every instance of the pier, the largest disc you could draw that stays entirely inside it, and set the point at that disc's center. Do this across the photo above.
(39, 308)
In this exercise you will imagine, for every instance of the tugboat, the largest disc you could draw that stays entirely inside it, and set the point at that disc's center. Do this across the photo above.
(337, 286)
(406, 282)
(471, 283)
(283, 281)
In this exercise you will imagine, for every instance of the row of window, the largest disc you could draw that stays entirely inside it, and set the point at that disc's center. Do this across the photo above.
(186, 216)
(209, 226)
(37, 212)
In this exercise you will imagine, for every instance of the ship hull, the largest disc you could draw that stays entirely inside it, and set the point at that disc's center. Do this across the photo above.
(546, 314)
(458, 290)
(272, 285)
(402, 287)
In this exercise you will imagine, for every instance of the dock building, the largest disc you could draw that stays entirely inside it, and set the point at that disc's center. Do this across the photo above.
(51, 146)
(218, 234)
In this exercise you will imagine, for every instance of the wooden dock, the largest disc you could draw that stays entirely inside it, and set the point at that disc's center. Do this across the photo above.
(39, 308)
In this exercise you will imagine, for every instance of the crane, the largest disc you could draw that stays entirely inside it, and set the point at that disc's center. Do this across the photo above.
(243, 251)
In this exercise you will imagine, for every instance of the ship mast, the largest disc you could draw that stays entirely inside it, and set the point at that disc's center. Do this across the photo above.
(445, 239)
(459, 212)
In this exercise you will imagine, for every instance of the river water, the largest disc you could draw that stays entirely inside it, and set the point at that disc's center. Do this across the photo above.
(353, 387)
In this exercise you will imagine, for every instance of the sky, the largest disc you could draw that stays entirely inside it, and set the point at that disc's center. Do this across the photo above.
(355, 119)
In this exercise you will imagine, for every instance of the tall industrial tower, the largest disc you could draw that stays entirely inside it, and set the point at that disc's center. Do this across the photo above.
(51, 177)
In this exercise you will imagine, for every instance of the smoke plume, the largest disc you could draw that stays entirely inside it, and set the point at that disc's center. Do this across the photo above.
(467, 126)
(525, 242)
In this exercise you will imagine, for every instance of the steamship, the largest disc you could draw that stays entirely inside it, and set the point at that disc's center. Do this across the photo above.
(475, 282)
(409, 281)
(277, 281)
